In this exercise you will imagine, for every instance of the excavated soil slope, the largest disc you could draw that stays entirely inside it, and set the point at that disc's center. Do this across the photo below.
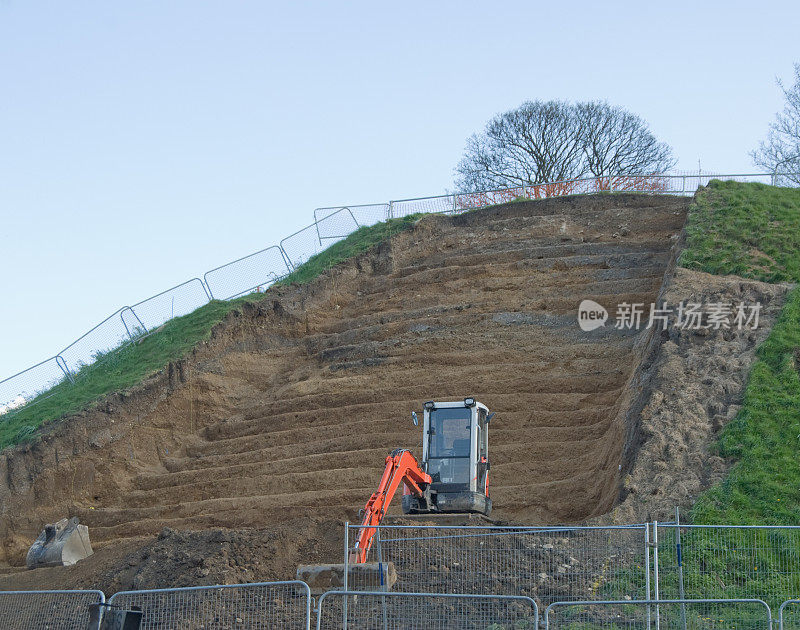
(694, 388)
(289, 410)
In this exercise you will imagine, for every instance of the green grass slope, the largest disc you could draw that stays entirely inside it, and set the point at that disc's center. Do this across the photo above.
(749, 230)
(128, 365)
(753, 230)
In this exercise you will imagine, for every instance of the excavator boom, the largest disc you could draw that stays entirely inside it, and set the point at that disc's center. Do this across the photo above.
(401, 467)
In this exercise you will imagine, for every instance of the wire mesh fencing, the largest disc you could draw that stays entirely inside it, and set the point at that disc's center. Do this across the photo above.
(47, 610)
(257, 606)
(547, 564)
(108, 335)
(688, 614)
(728, 562)
(308, 242)
(366, 214)
(438, 205)
(789, 615)
(681, 184)
(38, 381)
(155, 311)
(359, 610)
(244, 275)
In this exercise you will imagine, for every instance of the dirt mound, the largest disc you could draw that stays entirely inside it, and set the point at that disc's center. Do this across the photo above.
(190, 558)
(289, 410)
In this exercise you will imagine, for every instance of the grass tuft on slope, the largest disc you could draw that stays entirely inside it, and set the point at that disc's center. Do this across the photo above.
(128, 365)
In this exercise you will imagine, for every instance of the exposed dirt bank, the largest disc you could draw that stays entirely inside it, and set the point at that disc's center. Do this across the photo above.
(693, 389)
(288, 411)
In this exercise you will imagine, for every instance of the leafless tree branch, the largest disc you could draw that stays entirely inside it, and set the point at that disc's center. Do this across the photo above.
(780, 152)
(547, 141)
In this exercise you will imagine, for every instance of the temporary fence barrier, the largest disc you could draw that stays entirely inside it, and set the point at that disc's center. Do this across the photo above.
(308, 242)
(245, 275)
(363, 215)
(789, 615)
(727, 561)
(257, 606)
(546, 563)
(288, 604)
(376, 610)
(180, 300)
(41, 379)
(108, 335)
(673, 614)
(51, 610)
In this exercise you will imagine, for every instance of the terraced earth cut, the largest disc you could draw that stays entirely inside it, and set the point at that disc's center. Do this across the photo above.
(289, 410)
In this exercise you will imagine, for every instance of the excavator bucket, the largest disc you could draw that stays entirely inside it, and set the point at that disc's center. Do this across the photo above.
(60, 544)
(364, 576)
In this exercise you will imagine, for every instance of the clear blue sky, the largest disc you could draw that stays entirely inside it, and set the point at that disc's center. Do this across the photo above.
(142, 143)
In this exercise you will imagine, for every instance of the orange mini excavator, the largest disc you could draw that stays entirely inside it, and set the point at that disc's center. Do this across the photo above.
(453, 476)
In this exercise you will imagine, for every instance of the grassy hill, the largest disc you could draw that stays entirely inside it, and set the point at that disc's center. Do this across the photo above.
(130, 364)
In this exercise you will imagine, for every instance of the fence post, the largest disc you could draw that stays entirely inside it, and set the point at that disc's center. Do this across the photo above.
(390, 210)
(346, 571)
(206, 289)
(655, 563)
(60, 362)
(316, 226)
(647, 568)
(130, 334)
(380, 573)
(680, 563)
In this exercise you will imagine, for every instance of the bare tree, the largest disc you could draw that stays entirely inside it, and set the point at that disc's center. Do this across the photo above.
(780, 153)
(547, 141)
(617, 142)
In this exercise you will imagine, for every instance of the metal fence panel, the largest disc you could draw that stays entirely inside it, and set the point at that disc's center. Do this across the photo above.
(472, 201)
(159, 309)
(257, 606)
(789, 615)
(686, 614)
(108, 335)
(19, 390)
(253, 272)
(367, 214)
(548, 564)
(359, 610)
(47, 610)
(405, 207)
(729, 562)
(308, 242)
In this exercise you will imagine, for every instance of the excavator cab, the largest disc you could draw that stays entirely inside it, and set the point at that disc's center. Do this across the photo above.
(455, 454)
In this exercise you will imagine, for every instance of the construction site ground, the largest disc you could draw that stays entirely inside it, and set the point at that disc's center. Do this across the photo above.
(242, 461)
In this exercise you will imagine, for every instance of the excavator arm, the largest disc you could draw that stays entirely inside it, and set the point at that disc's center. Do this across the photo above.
(401, 467)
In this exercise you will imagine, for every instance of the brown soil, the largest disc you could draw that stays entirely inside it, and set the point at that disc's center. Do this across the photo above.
(282, 420)
(194, 558)
(693, 389)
